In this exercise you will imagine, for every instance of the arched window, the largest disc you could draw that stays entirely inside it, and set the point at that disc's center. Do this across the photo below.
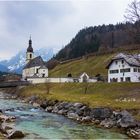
(30, 55)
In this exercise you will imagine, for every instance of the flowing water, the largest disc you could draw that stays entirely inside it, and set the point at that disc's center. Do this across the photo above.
(37, 123)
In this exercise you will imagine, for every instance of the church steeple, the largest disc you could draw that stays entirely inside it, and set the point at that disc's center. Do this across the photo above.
(30, 49)
(29, 53)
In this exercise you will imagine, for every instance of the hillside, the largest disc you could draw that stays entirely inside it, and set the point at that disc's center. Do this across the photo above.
(99, 38)
(92, 65)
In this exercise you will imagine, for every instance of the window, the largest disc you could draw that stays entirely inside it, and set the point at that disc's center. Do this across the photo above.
(138, 70)
(128, 79)
(122, 61)
(30, 55)
(36, 70)
(121, 79)
(116, 62)
(125, 70)
(135, 69)
(114, 71)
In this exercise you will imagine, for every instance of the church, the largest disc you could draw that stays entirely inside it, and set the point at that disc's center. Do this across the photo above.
(35, 66)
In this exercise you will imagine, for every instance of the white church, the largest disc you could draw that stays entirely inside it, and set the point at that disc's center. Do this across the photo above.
(36, 72)
(35, 66)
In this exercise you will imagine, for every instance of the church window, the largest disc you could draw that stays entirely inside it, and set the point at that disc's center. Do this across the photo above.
(30, 55)
(36, 70)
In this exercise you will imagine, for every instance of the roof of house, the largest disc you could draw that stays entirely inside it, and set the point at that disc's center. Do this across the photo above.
(37, 61)
(132, 60)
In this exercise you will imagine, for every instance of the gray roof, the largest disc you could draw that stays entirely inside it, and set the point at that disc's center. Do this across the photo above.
(132, 60)
(37, 61)
(43, 67)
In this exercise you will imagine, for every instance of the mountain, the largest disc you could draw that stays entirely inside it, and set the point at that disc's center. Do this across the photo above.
(99, 38)
(17, 62)
(3, 68)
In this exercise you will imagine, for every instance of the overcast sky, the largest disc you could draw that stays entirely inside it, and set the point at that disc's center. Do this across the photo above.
(52, 23)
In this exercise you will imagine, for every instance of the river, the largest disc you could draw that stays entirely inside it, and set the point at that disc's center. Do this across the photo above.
(37, 123)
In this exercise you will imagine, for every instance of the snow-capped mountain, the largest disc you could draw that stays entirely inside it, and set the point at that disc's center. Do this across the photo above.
(17, 62)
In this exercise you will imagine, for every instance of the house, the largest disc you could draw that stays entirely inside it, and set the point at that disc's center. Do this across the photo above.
(35, 66)
(85, 78)
(124, 68)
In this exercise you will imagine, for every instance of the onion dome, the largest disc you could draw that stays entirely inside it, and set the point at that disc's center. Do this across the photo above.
(30, 49)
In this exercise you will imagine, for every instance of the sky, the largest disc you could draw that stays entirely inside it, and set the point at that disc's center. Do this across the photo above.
(52, 23)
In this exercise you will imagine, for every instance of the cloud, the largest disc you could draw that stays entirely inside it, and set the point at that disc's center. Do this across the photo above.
(52, 23)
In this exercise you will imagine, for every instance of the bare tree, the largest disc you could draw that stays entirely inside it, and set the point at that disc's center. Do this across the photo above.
(132, 13)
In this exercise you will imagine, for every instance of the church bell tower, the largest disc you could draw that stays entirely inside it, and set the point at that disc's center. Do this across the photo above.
(29, 53)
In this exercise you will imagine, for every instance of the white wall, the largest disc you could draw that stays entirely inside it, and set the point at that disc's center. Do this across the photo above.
(43, 72)
(31, 71)
(133, 75)
(49, 80)
(54, 80)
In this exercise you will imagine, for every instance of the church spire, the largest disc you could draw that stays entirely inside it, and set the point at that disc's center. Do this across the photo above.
(29, 53)
(30, 49)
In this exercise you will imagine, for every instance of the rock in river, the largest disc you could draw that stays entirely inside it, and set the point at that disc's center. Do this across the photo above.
(15, 134)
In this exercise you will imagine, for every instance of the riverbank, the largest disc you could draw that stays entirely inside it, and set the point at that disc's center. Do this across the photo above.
(36, 123)
(96, 106)
(7, 123)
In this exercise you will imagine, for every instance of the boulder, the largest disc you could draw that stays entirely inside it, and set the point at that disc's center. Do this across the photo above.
(134, 133)
(15, 134)
(78, 105)
(55, 109)
(36, 105)
(62, 112)
(86, 119)
(49, 109)
(51, 102)
(73, 116)
(126, 120)
(107, 123)
(101, 113)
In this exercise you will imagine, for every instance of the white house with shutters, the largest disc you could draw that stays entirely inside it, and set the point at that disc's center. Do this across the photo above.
(124, 68)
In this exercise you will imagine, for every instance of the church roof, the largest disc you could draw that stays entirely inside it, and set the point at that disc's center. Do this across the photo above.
(132, 60)
(43, 67)
(37, 61)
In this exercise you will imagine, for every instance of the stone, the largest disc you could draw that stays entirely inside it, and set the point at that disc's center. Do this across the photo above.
(55, 109)
(15, 134)
(107, 123)
(101, 113)
(36, 105)
(62, 112)
(78, 105)
(49, 109)
(86, 119)
(73, 116)
(43, 105)
(134, 133)
(126, 120)
(96, 122)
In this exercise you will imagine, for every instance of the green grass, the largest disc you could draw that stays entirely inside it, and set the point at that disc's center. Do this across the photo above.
(98, 94)
(92, 66)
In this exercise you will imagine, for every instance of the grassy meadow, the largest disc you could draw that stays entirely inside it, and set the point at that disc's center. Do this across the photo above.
(114, 95)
